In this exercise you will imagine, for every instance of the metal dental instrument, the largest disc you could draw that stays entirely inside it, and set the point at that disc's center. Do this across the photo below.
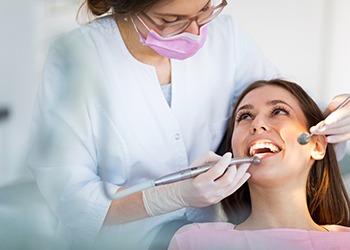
(175, 177)
(304, 137)
(193, 172)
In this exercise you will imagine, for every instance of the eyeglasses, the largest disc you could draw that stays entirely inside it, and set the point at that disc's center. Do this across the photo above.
(171, 28)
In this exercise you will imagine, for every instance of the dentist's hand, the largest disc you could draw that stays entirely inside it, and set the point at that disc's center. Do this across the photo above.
(206, 189)
(217, 183)
(337, 124)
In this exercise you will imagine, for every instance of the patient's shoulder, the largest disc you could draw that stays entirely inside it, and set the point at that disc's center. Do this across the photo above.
(337, 228)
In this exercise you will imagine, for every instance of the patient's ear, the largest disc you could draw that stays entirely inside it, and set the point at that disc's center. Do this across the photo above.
(319, 147)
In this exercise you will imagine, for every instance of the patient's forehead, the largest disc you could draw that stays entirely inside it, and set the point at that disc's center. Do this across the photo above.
(266, 93)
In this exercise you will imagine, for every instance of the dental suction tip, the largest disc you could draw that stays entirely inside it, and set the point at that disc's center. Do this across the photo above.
(304, 138)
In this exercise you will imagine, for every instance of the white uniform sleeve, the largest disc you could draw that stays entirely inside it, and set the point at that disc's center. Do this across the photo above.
(61, 150)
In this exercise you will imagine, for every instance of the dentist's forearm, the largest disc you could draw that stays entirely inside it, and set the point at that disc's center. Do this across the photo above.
(125, 210)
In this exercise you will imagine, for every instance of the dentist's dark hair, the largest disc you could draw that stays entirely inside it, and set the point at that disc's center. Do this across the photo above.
(119, 7)
(327, 199)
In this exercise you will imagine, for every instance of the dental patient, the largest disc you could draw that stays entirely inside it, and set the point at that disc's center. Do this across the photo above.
(295, 198)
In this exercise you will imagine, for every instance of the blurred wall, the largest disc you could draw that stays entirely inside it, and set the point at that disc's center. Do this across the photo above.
(17, 85)
(309, 41)
(27, 28)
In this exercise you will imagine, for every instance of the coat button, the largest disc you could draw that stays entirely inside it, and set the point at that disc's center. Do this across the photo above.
(177, 136)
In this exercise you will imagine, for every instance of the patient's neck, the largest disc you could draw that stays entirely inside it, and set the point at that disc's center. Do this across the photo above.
(278, 208)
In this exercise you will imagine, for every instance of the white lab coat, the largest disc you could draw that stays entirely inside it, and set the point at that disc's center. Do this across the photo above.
(101, 114)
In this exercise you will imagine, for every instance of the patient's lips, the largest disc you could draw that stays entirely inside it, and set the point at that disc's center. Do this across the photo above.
(262, 148)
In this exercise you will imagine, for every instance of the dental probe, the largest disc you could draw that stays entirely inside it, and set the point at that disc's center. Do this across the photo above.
(175, 177)
(304, 137)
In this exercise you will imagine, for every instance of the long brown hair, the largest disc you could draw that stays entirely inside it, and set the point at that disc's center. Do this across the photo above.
(327, 199)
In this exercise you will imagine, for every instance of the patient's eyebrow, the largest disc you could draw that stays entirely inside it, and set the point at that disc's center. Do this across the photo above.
(246, 106)
(275, 102)
(269, 103)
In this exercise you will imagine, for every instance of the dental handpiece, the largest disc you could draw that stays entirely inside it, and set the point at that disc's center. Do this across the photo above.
(304, 137)
(174, 177)
(194, 171)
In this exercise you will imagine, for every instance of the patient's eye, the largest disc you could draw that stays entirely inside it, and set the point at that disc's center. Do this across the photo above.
(280, 110)
(244, 115)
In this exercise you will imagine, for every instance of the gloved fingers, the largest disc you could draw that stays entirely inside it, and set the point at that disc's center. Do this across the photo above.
(336, 132)
(338, 116)
(207, 158)
(337, 100)
(223, 193)
(242, 169)
(339, 129)
(232, 179)
(217, 170)
(203, 190)
(233, 175)
(198, 193)
(228, 177)
(240, 177)
(324, 128)
(338, 138)
(212, 186)
(244, 178)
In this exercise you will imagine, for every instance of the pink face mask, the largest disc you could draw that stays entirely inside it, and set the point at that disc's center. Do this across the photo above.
(180, 46)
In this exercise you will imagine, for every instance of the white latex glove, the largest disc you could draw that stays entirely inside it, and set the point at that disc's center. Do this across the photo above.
(206, 189)
(215, 184)
(337, 124)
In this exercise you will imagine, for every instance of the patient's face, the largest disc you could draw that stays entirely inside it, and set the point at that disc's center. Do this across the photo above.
(267, 123)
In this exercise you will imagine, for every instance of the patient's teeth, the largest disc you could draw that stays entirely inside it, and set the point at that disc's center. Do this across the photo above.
(260, 146)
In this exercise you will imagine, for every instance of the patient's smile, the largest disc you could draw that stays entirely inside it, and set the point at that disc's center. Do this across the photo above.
(262, 148)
